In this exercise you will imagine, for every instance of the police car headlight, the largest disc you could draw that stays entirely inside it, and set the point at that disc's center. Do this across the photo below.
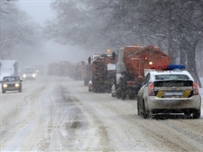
(5, 85)
(24, 75)
(17, 85)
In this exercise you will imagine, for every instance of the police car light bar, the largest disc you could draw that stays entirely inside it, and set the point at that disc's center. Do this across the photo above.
(169, 67)
(176, 66)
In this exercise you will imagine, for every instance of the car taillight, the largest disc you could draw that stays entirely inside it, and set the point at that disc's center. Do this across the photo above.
(195, 89)
(151, 89)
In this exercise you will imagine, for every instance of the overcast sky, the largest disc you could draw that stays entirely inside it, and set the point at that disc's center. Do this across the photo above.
(39, 10)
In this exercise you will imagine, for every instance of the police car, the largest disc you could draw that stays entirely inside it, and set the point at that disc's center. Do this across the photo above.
(171, 91)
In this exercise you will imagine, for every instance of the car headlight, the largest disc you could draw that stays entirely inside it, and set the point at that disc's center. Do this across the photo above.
(24, 75)
(17, 85)
(5, 85)
(34, 75)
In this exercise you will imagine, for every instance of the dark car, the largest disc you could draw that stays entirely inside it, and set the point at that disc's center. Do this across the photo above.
(11, 83)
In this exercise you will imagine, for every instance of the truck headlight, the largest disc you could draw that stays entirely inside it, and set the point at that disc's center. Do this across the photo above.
(150, 62)
(34, 75)
(17, 85)
(5, 85)
(24, 75)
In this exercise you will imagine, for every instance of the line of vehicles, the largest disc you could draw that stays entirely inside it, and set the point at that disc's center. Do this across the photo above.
(65, 68)
(123, 71)
(144, 73)
(136, 72)
(14, 82)
(11, 79)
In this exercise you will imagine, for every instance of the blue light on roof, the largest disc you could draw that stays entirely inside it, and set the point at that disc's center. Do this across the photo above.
(176, 66)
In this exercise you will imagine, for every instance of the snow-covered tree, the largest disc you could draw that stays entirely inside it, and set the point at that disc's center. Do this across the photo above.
(176, 26)
(16, 29)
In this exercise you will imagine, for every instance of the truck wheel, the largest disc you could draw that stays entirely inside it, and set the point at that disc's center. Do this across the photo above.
(108, 90)
(3, 91)
(131, 96)
(95, 90)
(118, 92)
(123, 95)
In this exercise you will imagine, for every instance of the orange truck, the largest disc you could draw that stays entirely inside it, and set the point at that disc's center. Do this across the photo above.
(103, 72)
(133, 62)
(88, 69)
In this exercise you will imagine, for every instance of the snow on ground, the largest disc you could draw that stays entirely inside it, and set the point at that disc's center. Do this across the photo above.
(58, 114)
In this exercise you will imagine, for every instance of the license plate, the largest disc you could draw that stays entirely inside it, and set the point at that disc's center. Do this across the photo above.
(175, 93)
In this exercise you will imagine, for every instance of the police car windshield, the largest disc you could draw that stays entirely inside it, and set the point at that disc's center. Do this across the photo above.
(172, 77)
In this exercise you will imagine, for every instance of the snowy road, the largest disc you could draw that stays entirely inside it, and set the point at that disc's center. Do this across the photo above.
(58, 114)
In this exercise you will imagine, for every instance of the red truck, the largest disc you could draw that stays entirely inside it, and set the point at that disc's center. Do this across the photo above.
(132, 63)
(103, 73)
